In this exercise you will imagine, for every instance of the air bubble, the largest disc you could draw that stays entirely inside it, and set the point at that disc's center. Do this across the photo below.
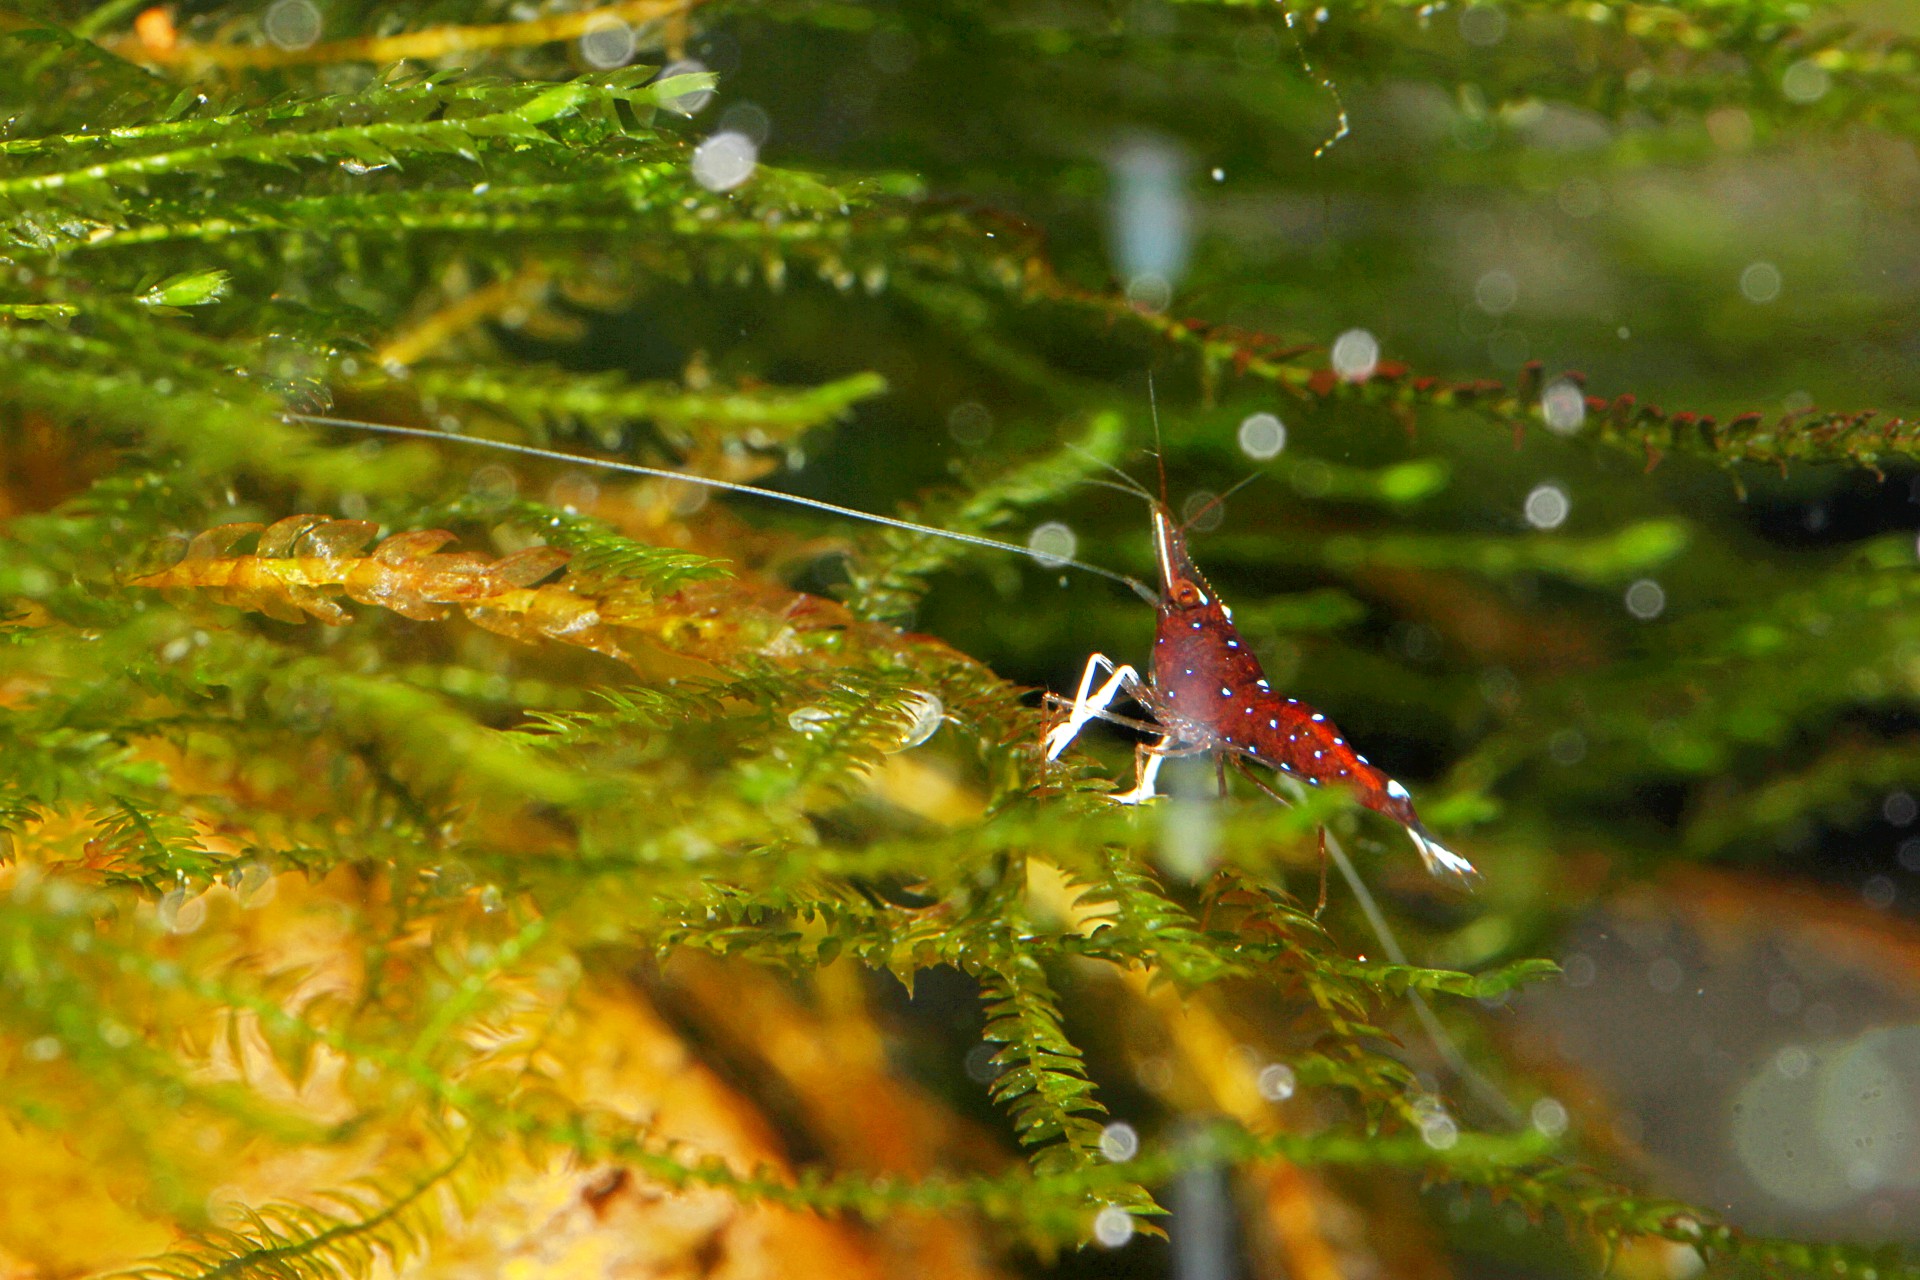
(1549, 1117)
(1053, 544)
(1483, 25)
(1564, 405)
(725, 161)
(1646, 600)
(1440, 1132)
(749, 118)
(1878, 892)
(292, 24)
(1203, 511)
(970, 424)
(1805, 81)
(1496, 292)
(1277, 1082)
(692, 102)
(1119, 1142)
(1547, 506)
(1113, 1226)
(1760, 282)
(1262, 436)
(810, 721)
(607, 44)
(927, 712)
(1900, 809)
(1356, 354)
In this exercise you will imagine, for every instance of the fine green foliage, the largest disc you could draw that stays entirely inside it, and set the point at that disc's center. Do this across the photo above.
(419, 857)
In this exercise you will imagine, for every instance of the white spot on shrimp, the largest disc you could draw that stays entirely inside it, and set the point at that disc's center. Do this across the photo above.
(1261, 683)
(1339, 742)
(1317, 717)
(1196, 626)
(1318, 754)
(1225, 692)
(1233, 644)
(1397, 791)
(1271, 724)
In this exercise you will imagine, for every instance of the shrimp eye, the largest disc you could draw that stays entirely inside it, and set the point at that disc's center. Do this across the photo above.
(1186, 595)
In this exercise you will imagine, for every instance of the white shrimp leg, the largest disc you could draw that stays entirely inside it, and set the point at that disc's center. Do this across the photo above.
(1088, 705)
(1146, 765)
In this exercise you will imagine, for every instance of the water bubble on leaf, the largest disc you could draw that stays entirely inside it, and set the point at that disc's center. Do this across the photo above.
(927, 714)
(606, 44)
(1262, 436)
(810, 720)
(1277, 1082)
(1440, 1132)
(1760, 282)
(694, 100)
(725, 161)
(292, 24)
(1646, 600)
(1549, 1117)
(1219, 174)
(1356, 354)
(1053, 544)
(1496, 292)
(749, 118)
(1805, 81)
(1484, 25)
(1564, 406)
(179, 914)
(1113, 1226)
(1119, 1142)
(1547, 506)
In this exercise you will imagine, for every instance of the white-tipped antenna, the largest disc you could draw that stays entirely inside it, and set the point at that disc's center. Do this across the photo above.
(731, 486)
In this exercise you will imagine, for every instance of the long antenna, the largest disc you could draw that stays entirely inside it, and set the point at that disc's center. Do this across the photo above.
(1159, 450)
(1217, 499)
(731, 486)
